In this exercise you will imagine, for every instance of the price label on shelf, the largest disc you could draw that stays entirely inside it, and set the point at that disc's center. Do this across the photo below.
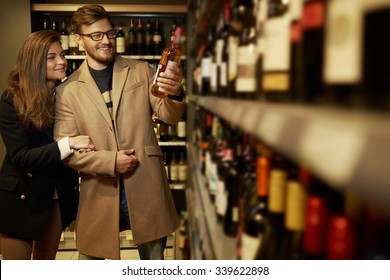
(332, 150)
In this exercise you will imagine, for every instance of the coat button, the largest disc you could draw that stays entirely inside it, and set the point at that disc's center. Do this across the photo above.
(115, 185)
(29, 175)
(22, 197)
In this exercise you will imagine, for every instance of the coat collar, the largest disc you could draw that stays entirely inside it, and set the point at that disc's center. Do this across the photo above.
(89, 87)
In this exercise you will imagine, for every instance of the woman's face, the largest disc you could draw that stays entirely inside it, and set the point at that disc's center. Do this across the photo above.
(55, 63)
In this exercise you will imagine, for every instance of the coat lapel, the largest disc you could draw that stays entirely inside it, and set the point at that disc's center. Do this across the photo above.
(89, 87)
(118, 82)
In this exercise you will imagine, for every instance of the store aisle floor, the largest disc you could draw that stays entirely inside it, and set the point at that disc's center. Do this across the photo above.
(130, 254)
(127, 254)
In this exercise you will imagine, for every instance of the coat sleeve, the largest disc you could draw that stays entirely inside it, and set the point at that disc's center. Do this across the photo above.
(26, 147)
(100, 162)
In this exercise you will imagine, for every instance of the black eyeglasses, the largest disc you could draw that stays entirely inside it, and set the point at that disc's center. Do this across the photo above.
(97, 36)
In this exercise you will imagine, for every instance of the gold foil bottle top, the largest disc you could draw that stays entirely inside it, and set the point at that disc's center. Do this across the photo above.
(296, 198)
(277, 191)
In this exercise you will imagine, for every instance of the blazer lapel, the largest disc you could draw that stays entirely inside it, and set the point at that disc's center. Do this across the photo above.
(89, 87)
(118, 82)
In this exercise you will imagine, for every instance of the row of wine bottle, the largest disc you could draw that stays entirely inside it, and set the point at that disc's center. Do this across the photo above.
(277, 209)
(140, 39)
(175, 162)
(170, 132)
(330, 52)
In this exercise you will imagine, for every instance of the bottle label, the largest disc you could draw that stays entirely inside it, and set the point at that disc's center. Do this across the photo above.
(277, 48)
(206, 64)
(120, 44)
(223, 74)
(72, 41)
(233, 46)
(64, 42)
(161, 69)
(213, 180)
(182, 172)
(174, 168)
(221, 201)
(219, 51)
(157, 38)
(246, 69)
(343, 47)
(250, 246)
(182, 129)
(275, 81)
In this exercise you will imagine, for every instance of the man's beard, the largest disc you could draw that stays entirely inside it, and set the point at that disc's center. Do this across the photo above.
(94, 54)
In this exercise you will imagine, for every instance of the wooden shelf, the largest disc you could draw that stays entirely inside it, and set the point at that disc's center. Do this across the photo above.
(113, 8)
(140, 57)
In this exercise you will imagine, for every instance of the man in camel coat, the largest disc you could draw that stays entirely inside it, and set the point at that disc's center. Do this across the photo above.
(128, 163)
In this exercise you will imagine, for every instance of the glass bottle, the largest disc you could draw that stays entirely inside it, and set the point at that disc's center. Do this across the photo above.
(256, 214)
(275, 71)
(157, 38)
(294, 218)
(170, 57)
(120, 40)
(131, 50)
(140, 38)
(246, 55)
(174, 169)
(73, 46)
(271, 244)
(313, 23)
(223, 51)
(148, 38)
(64, 37)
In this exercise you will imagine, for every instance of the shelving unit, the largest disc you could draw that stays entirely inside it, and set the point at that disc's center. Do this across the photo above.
(346, 148)
(215, 244)
(140, 57)
(112, 8)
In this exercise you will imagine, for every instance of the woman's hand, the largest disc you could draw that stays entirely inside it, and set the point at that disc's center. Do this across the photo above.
(81, 143)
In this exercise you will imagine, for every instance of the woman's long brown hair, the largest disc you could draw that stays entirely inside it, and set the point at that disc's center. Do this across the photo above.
(33, 100)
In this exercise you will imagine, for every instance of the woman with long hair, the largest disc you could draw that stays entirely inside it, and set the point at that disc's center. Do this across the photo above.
(38, 193)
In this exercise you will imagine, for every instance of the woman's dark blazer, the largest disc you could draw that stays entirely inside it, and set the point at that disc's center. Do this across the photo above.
(31, 169)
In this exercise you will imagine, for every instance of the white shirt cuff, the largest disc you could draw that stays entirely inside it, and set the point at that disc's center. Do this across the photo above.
(64, 147)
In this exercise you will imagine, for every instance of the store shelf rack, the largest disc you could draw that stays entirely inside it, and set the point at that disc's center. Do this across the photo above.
(345, 148)
(112, 8)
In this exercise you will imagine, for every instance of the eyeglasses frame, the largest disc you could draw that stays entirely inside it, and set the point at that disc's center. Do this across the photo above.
(102, 33)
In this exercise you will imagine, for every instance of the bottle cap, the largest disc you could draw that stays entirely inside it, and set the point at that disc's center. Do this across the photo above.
(316, 224)
(341, 243)
(262, 173)
(176, 35)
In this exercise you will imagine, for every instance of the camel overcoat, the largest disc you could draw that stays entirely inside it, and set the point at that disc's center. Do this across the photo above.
(81, 110)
